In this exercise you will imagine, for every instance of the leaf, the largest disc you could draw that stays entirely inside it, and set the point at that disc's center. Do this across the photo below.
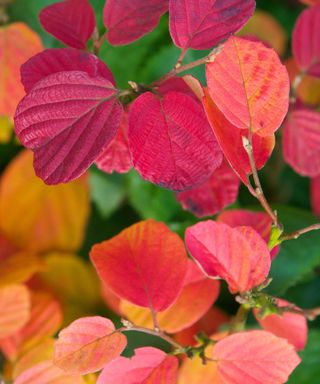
(213, 195)
(290, 326)
(7, 248)
(87, 345)
(259, 221)
(116, 156)
(46, 373)
(255, 357)
(74, 282)
(58, 216)
(19, 268)
(230, 140)
(315, 197)
(127, 21)
(238, 255)
(6, 129)
(45, 320)
(171, 141)
(69, 126)
(148, 255)
(249, 85)
(305, 42)
(17, 44)
(148, 366)
(59, 60)
(197, 289)
(301, 141)
(203, 24)
(266, 28)
(14, 308)
(292, 266)
(70, 21)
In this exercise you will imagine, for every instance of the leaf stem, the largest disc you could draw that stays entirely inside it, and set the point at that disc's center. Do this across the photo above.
(238, 322)
(296, 234)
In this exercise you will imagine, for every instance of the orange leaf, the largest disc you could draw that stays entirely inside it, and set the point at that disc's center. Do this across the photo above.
(17, 44)
(87, 345)
(254, 357)
(197, 289)
(38, 217)
(14, 309)
(249, 85)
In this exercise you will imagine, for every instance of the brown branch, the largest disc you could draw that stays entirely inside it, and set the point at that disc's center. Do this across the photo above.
(296, 234)
(310, 314)
(181, 58)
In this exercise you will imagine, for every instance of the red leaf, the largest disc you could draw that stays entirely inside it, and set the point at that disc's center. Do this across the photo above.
(305, 41)
(59, 60)
(230, 140)
(301, 142)
(290, 326)
(249, 85)
(238, 255)
(213, 195)
(116, 157)
(67, 119)
(148, 255)
(255, 357)
(202, 24)
(259, 221)
(87, 345)
(180, 84)
(171, 142)
(315, 195)
(148, 366)
(70, 21)
(129, 20)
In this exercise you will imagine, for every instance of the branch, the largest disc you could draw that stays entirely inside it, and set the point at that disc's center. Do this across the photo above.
(310, 314)
(296, 234)
(239, 320)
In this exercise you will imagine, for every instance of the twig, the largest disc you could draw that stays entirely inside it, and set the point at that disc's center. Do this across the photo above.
(238, 322)
(296, 234)
(180, 58)
(310, 314)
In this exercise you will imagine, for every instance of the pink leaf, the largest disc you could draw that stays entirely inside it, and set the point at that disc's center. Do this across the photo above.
(67, 119)
(255, 357)
(238, 255)
(230, 140)
(213, 195)
(70, 21)
(148, 366)
(249, 85)
(202, 24)
(116, 157)
(315, 195)
(59, 60)
(305, 41)
(46, 373)
(259, 221)
(171, 142)
(129, 20)
(301, 142)
(149, 256)
(290, 326)
(87, 345)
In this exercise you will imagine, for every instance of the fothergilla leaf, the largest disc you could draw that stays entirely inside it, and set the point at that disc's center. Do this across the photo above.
(305, 41)
(238, 255)
(301, 141)
(70, 21)
(128, 20)
(202, 24)
(147, 366)
(67, 119)
(171, 142)
(59, 60)
(249, 85)
(213, 195)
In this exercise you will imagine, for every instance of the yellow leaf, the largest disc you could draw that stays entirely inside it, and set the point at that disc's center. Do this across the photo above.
(6, 128)
(40, 218)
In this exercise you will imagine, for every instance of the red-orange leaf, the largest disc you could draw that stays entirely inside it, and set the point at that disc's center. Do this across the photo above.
(249, 85)
(149, 256)
(147, 366)
(87, 345)
(238, 255)
(254, 357)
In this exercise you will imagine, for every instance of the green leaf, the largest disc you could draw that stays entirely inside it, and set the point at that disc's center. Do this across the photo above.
(308, 372)
(107, 191)
(297, 258)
